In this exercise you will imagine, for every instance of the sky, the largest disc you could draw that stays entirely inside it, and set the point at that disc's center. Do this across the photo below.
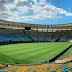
(44, 12)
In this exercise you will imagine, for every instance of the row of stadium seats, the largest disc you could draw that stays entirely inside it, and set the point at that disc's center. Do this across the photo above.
(50, 37)
(22, 35)
(4, 38)
(13, 35)
(67, 67)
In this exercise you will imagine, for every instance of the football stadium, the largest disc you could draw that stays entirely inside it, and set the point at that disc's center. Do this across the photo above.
(35, 48)
(35, 35)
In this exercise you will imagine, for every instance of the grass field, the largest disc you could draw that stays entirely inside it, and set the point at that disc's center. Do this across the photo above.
(28, 53)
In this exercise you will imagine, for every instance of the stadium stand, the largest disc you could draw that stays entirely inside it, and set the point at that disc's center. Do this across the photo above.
(12, 31)
(14, 35)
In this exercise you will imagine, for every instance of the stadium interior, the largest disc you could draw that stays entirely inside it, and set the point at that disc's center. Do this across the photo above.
(10, 31)
(22, 32)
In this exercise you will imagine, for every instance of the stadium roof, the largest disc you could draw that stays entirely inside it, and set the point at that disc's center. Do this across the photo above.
(8, 24)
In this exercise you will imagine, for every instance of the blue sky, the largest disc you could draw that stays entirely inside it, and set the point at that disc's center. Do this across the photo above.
(36, 11)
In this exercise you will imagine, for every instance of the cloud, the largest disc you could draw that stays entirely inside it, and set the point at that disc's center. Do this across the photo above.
(36, 9)
(22, 3)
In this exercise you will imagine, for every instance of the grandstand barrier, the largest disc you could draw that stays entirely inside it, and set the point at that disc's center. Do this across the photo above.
(62, 61)
(56, 57)
(16, 42)
(70, 41)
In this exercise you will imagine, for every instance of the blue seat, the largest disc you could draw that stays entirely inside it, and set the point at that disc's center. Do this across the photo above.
(70, 69)
(26, 37)
(47, 69)
(34, 71)
(53, 71)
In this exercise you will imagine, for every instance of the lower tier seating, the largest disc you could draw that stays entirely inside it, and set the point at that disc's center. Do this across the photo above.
(40, 68)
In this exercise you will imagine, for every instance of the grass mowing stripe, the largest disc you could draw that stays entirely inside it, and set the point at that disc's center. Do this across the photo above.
(7, 59)
(36, 54)
(19, 48)
(28, 50)
(17, 56)
(48, 56)
(31, 52)
(55, 49)
(36, 49)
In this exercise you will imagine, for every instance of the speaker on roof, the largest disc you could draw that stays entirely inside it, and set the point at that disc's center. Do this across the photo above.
(27, 28)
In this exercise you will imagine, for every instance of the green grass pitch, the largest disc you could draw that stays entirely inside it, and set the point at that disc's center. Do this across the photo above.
(28, 53)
